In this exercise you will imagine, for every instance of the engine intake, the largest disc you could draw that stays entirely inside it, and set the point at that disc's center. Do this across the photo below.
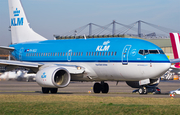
(53, 76)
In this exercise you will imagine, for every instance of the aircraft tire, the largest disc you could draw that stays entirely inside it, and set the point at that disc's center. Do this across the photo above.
(97, 88)
(45, 90)
(54, 90)
(145, 90)
(141, 91)
(105, 88)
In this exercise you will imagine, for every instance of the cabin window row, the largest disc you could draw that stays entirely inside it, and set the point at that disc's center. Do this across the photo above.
(74, 54)
(101, 53)
(55, 54)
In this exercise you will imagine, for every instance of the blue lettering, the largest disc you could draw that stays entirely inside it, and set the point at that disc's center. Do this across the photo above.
(18, 22)
(12, 21)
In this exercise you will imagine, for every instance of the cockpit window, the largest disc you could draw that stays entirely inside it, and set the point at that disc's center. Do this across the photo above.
(161, 52)
(153, 52)
(141, 52)
(146, 52)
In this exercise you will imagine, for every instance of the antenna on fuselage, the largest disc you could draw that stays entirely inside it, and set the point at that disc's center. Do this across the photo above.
(84, 36)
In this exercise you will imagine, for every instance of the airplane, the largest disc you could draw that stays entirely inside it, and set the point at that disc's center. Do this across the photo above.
(57, 62)
(175, 42)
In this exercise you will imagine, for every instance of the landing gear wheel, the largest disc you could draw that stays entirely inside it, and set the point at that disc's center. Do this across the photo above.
(141, 90)
(97, 88)
(105, 88)
(45, 90)
(53, 90)
(145, 90)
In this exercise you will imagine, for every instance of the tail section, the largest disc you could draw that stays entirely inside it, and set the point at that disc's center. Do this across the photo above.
(175, 41)
(20, 30)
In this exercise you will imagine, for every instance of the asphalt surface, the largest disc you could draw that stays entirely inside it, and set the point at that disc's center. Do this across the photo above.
(85, 88)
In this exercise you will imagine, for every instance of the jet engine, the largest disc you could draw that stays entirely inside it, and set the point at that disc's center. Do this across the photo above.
(135, 84)
(53, 77)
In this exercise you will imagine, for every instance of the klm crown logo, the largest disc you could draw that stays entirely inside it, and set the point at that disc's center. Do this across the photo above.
(16, 12)
(44, 75)
(17, 21)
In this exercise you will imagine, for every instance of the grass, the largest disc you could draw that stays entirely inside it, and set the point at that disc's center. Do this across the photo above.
(86, 105)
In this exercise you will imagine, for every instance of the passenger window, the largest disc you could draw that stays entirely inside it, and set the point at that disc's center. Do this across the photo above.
(103, 54)
(81, 53)
(112, 53)
(109, 53)
(86, 53)
(97, 53)
(94, 53)
(115, 53)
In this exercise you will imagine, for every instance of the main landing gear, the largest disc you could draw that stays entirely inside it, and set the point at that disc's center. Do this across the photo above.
(52, 90)
(142, 90)
(101, 87)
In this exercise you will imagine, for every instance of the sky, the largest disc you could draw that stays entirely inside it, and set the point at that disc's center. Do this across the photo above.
(49, 17)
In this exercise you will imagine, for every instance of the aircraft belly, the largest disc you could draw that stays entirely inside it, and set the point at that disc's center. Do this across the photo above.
(118, 71)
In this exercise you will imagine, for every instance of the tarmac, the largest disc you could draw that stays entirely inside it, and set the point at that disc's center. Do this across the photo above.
(86, 89)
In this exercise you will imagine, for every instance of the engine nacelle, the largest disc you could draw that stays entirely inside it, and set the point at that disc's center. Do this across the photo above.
(53, 76)
(135, 84)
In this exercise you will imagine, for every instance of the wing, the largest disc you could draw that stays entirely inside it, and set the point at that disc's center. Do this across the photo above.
(7, 48)
(10, 65)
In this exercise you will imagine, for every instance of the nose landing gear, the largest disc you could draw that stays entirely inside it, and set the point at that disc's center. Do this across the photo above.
(142, 90)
